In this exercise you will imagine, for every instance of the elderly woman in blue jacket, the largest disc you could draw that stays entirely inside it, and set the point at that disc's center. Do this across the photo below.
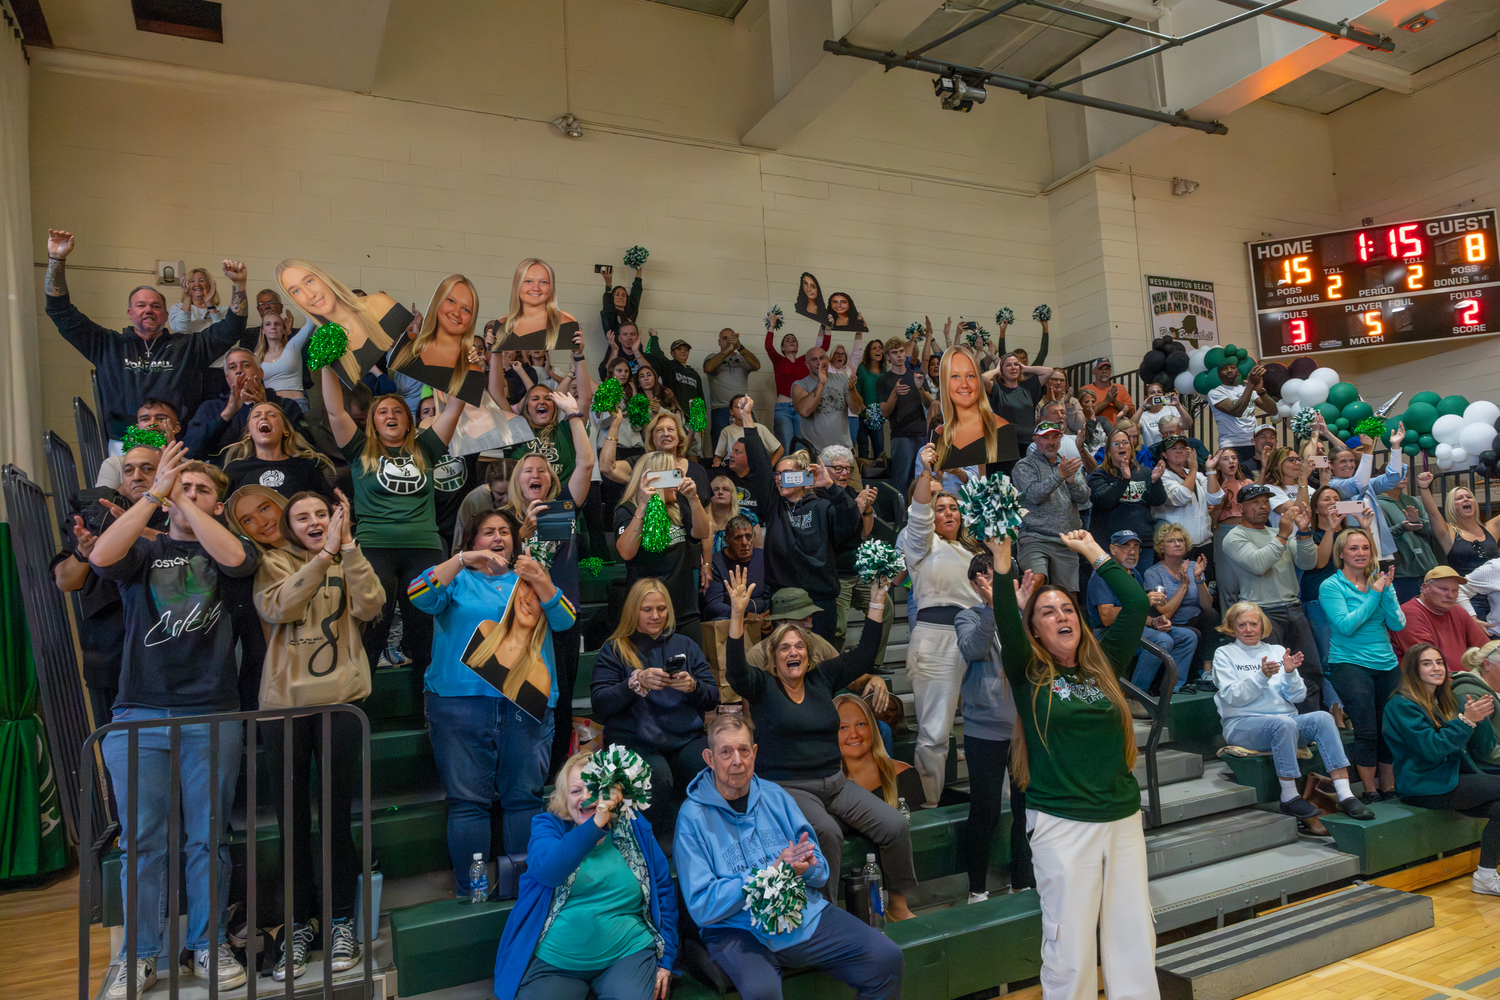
(597, 909)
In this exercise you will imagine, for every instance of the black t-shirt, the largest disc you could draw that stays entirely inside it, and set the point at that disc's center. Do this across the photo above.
(673, 565)
(740, 804)
(179, 640)
(1018, 405)
(289, 476)
(909, 418)
(452, 479)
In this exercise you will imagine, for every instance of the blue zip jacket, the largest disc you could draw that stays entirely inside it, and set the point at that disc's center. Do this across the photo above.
(1370, 490)
(989, 708)
(558, 847)
(457, 609)
(1359, 620)
(718, 849)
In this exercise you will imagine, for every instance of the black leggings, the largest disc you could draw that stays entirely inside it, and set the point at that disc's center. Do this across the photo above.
(671, 770)
(1476, 795)
(397, 568)
(988, 762)
(1364, 693)
(565, 647)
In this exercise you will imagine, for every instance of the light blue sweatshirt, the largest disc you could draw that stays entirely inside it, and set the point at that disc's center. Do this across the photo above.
(1244, 688)
(1359, 620)
(1361, 485)
(717, 850)
(988, 706)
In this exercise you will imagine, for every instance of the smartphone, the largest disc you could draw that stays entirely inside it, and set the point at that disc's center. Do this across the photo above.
(793, 478)
(1343, 507)
(669, 480)
(676, 664)
(1319, 461)
(600, 268)
(1157, 401)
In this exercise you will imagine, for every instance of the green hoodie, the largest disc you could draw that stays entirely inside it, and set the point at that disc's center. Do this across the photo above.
(1468, 682)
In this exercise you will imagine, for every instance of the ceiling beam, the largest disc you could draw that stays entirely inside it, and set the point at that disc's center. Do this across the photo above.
(1353, 66)
(33, 23)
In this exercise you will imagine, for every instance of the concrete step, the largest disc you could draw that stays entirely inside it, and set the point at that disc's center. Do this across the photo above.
(1215, 792)
(1255, 954)
(1171, 766)
(1240, 883)
(1143, 730)
(1211, 839)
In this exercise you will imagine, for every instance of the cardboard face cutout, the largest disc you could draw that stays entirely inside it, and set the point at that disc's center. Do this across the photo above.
(373, 323)
(432, 354)
(976, 452)
(849, 320)
(507, 655)
(810, 299)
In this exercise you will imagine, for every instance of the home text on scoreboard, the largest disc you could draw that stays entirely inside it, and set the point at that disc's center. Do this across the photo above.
(1424, 280)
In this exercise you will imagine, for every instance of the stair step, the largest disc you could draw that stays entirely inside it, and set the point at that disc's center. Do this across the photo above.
(1255, 954)
(1211, 839)
(1143, 730)
(1172, 766)
(1240, 883)
(1212, 793)
(1401, 834)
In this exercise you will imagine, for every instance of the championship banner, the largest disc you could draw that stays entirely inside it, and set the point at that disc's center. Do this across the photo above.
(1182, 309)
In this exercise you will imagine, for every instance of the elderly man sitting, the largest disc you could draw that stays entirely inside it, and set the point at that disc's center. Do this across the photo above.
(1103, 606)
(734, 825)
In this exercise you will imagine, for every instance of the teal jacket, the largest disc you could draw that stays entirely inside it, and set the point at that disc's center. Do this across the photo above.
(1359, 620)
(1427, 756)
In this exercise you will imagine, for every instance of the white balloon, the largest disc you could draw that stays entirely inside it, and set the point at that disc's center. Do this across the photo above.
(1447, 427)
(1476, 437)
(1459, 456)
(1314, 391)
(1327, 376)
(1291, 390)
(1195, 361)
(1283, 410)
(1184, 384)
(1443, 452)
(1445, 464)
(1481, 412)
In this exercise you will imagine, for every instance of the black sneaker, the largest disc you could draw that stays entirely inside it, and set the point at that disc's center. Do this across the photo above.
(236, 925)
(1299, 807)
(1355, 809)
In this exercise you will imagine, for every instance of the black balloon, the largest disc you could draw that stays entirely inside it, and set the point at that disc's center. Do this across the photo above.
(1276, 376)
(1302, 367)
(1177, 363)
(1152, 364)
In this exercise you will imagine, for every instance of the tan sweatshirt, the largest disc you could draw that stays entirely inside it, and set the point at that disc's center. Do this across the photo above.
(311, 608)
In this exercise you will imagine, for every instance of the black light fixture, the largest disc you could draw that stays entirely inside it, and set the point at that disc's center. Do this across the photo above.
(957, 94)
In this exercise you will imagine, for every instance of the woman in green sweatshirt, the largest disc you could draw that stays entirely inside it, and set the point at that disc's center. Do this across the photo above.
(1089, 849)
(1430, 736)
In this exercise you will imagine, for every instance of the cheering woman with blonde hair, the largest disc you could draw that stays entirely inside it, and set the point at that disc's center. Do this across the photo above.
(443, 354)
(272, 453)
(1074, 761)
(372, 323)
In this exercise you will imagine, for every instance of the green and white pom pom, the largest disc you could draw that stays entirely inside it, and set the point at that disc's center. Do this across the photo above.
(874, 559)
(638, 410)
(774, 318)
(874, 417)
(608, 396)
(542, 552)
(915, 330)
(1005, 316)
(976, 335)
(1041, 313)
(143, 437)
(776, 897)
(991, 507)
(616, 765)
(656, 526)
(636, 257)
(327, 344)
(697, 418)
(1370, 427)
(1302, 422)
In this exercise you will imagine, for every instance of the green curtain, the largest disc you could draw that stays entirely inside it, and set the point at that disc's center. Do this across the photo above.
(33, 840)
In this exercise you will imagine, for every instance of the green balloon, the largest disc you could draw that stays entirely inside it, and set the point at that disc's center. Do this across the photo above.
(1206, 380)
(1390, 426)
(1329, 411)
(1428, 442)
(1342, 423)
(1342, 394)
(1214, 359)
(1357, 411)
(1420, 416)
(1246, 366)
(1411, 448)
(1426, 397)
(1452, 404)
(1231, 351)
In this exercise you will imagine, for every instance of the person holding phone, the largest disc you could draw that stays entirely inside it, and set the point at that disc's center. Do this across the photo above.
(688, 525)
(806, 526)
(1429, 734)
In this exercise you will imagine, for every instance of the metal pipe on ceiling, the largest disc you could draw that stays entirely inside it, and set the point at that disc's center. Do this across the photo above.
(1341, 29)
(1097, 19)
(965, 27)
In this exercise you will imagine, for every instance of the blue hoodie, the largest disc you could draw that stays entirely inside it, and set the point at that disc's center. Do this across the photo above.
(717, 850)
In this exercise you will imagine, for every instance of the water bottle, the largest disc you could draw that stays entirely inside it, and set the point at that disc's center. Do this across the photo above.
(905, 812)
(875, 884)
(479, 880)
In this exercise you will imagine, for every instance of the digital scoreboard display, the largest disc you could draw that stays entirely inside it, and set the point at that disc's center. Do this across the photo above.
(1431, 279)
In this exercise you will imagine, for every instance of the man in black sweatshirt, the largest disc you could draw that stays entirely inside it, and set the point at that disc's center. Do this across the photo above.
(145, 359)
(806, 526)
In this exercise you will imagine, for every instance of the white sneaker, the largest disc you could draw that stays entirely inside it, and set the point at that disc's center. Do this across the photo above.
(1486, 882)
(978, 897)
(145, 978)
(345, 950)
(231, 972)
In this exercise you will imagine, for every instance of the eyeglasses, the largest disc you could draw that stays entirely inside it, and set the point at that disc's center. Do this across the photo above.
(840, 470)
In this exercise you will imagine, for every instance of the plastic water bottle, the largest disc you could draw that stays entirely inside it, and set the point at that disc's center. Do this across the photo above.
(904, 810)
(875, 884)
(479, 880)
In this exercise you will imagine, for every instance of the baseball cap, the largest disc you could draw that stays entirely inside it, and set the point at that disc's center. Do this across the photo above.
(1252, 491)
(680, 343)
(1444, 573)
(1264, 427)
(1047, 427)
(1102, 361)
(1123, 536)
(792, 604)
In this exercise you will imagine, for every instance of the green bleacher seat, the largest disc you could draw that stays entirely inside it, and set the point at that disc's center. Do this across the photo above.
(935, 837)
(585, 673)
(446, 943)
(1193, 721)
(1401, 834)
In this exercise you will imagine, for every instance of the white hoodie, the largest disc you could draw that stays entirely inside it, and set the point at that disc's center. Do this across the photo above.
(1244, 689)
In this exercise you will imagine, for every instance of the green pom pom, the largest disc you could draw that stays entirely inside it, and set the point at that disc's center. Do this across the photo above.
(638, 410)
(1042, 314)
(1371, 427)
(991, 507)
(636, 257)
(143, 437)
(592, 566)
(774, 318)
(697, 415)
(616, 765)
(608, 396)
(776, 897)
(976, 335)
(656, 527)
(875, 559)
(1005, 316)
(915, 330)
(1302, 422)
(542, 552)
(327, 344)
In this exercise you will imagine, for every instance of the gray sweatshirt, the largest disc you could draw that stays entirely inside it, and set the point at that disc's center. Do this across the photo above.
(1267, 569)
(989, 709)
(1052, 503)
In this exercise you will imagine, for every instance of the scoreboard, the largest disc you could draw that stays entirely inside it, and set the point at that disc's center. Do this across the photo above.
(1426, 280)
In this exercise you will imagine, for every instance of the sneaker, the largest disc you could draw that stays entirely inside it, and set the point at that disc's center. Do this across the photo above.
(1299, 807)
(231, 972)
(344, 953)
(1486, 882)
(978, 897)
(300, 941)
(394, 657)
(145, 978)
(1355, 809)
(236, 923)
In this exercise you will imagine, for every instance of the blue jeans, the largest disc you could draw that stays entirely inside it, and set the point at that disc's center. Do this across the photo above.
(787, 424)
(855, 423)
(1322, 636)
(903, 462)
(874, 439)
(718, 419)
(630, 978)
(153, 795)
(1283, 734)
(845, 947)
(487, 750)
(1182, 643)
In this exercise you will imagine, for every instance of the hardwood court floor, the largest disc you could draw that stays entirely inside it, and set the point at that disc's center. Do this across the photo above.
(1459, 958)
(39, 942)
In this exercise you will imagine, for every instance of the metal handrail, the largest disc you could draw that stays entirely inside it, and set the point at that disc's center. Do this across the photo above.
(1157, 707)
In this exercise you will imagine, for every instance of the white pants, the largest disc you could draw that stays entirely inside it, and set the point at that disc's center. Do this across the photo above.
(1094, 875)
(935, 669)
